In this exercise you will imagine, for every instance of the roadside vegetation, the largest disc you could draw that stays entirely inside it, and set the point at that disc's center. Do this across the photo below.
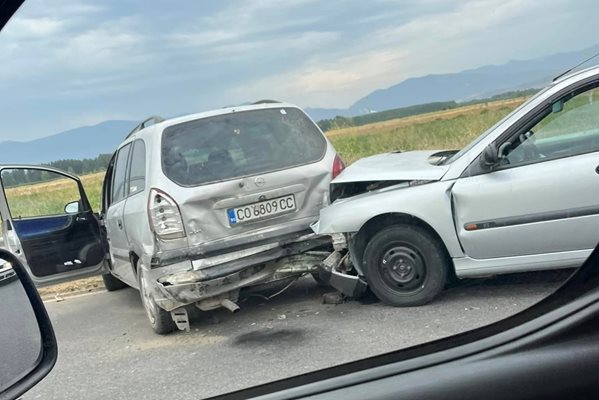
(340, 122)
(443, 130)
(447, 129)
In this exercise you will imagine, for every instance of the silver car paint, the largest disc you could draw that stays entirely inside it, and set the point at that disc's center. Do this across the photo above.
(432, 203)
(396, 166)
(203, 209)
(564, 184)
(429, 202)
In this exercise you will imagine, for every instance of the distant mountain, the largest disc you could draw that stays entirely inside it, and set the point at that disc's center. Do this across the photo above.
(487, 81)
(466, 85)
(78, 143)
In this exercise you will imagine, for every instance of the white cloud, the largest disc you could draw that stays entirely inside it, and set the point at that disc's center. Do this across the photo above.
(32, 28)
(337, 83)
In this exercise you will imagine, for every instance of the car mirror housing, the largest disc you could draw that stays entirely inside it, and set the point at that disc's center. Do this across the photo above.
(72, 207)
(29, 351)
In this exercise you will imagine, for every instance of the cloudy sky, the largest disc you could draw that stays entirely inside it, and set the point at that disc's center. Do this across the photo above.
(68, 63)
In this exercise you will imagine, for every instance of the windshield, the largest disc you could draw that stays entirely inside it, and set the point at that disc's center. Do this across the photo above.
(239, 144)
(282, 208)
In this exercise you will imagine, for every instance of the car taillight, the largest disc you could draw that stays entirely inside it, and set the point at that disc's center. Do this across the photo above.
(165, 216)
(338, 166)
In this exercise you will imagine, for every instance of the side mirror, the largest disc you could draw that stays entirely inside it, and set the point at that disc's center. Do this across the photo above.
(489, 156)
(72, 207)
(28, 351)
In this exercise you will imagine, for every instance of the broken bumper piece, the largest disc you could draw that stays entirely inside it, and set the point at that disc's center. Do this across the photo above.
(332, 270)
(192, 285)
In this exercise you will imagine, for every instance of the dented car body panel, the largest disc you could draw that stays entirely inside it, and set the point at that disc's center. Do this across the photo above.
(491, 217)
(218, 256)
(396, 166)
(429, 202)
(179, 284)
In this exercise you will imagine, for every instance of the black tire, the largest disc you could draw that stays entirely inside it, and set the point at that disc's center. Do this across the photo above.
(405, 266)
(112, 283)
(160, 319)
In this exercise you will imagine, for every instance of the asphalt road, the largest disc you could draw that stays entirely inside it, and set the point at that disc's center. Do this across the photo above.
(108, 351)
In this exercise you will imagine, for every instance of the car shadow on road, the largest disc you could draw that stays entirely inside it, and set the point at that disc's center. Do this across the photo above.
(304, 292)
(306, 296)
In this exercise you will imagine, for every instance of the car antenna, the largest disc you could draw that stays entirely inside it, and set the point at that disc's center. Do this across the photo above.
(576, 66)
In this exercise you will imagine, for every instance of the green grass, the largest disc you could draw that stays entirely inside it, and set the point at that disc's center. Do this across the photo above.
(453, 132)
(450, 129)
(49, 198)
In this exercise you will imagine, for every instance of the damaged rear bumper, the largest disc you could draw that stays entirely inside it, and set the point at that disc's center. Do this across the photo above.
(187, 284)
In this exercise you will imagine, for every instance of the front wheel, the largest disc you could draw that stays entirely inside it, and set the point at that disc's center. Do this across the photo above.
(160, 319)
(405, 265)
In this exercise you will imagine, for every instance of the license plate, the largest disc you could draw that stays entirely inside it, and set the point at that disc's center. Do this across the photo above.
(262, 209)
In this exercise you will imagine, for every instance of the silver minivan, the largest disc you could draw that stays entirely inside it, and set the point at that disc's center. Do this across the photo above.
(194, 209)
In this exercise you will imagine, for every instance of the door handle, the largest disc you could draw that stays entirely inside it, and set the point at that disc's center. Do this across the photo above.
(597, 169)
(120, 224)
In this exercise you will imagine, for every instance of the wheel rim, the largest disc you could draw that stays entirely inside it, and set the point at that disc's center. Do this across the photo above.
(402, 268)
(149, 304)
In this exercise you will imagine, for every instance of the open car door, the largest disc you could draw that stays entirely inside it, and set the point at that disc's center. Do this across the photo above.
(48, 222)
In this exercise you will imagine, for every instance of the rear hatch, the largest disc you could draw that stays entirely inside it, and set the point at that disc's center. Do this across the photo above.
(247, 176)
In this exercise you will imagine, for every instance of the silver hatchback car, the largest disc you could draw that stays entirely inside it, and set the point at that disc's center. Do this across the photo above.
(194, 209)
(523, 196)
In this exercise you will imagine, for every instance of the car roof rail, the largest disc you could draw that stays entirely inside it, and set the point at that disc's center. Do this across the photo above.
(266, 101)
(154, 118)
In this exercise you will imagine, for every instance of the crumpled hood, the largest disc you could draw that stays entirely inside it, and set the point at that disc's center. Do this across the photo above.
(408, 166)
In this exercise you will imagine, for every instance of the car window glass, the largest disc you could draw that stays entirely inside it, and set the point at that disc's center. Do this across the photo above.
(35, 193)
(137, 173)
(567, 132)
(119, 176)
(240, 144)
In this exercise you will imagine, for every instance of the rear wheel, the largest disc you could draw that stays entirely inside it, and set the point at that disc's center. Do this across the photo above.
(160, 319)
(405, 265)
(112, 283)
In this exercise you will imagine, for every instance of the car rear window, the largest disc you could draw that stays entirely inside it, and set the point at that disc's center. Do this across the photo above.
(239, 144)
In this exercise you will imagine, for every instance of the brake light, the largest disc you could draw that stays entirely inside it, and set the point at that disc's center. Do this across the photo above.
(165, 216)
(338, 166)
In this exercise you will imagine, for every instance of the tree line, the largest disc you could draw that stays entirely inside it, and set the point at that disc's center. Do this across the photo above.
(345, 122)
(16, 177)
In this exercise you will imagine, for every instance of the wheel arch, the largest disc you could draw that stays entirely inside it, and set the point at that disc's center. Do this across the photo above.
(382, 221)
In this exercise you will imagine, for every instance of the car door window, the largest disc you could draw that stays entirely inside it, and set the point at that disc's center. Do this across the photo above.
(570, 127)
(137, 173)
(35, 193)
(119, 177)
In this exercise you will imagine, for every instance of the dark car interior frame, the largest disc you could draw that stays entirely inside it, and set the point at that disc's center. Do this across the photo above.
(49, 349)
